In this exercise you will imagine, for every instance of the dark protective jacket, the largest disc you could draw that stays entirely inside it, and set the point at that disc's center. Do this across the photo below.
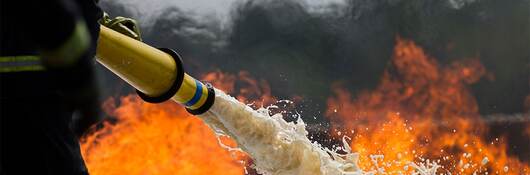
(37, 97)
(27, 27)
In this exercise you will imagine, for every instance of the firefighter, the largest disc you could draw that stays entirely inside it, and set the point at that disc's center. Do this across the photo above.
(46, 73)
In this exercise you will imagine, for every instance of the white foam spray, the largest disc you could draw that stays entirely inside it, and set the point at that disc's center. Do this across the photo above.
(279, 147)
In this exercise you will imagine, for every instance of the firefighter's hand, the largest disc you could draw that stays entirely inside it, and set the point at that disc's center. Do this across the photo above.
(126, 26)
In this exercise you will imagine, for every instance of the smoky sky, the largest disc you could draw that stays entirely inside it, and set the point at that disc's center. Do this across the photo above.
(301, 49)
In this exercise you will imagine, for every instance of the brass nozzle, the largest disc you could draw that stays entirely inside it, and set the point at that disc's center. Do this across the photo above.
(157, 74)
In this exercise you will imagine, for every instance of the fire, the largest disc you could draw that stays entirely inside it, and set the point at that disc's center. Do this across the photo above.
(157, 139)
(421, 112)
(248, 90)
(164, 139)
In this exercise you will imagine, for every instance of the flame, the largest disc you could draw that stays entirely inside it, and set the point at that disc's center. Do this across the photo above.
(164, 139)
(243, 86)
(157, 139)
(421, 112)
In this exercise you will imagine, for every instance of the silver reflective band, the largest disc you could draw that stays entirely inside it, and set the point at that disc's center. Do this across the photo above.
(20, 64)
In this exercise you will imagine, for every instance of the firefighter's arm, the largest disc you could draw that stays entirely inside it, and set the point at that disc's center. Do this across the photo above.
(59, 31)
(65, 33)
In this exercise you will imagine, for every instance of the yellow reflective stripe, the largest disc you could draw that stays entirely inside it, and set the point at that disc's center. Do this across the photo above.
(22, 68)
(19, 58)
(20, 63)
(72, 49)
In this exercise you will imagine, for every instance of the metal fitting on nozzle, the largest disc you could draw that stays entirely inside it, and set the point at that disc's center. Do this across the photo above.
(196, 96)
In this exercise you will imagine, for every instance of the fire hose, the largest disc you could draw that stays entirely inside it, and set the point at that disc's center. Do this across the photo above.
(156, 73)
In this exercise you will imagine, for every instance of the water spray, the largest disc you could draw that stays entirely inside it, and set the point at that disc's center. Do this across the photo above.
(277, 147)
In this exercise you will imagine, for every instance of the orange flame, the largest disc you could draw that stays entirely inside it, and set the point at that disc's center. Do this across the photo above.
(157, 139)
(164, 139)
(421, 111)
(248, 90)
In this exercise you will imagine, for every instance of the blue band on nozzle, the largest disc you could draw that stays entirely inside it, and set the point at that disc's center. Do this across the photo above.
(197, 95)
(210, 98)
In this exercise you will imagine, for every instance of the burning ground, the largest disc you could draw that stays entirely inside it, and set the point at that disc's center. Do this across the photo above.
(451, 88)
(419, 111)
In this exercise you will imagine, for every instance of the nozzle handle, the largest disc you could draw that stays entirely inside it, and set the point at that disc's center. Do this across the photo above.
(179, 71)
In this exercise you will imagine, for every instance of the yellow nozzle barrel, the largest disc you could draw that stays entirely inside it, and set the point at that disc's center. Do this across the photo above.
(157, 74)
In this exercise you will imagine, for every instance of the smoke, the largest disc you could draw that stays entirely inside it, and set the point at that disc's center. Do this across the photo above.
(301, 47)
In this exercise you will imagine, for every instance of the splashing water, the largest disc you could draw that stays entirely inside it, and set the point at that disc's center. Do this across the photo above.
(279, 147)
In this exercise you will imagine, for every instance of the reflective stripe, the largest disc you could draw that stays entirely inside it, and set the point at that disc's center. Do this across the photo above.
(198, 94)
(19, 58)
(71, 49)
(20, 64)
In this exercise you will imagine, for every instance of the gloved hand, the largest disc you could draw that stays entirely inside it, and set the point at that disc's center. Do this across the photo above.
(126, 26)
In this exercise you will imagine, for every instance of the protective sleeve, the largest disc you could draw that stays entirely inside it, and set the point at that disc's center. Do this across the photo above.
(58, 29)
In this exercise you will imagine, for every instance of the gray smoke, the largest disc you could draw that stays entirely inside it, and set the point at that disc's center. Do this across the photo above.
(300, 47)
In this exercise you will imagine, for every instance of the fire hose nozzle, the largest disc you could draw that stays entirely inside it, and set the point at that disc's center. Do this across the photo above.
(157, 74)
